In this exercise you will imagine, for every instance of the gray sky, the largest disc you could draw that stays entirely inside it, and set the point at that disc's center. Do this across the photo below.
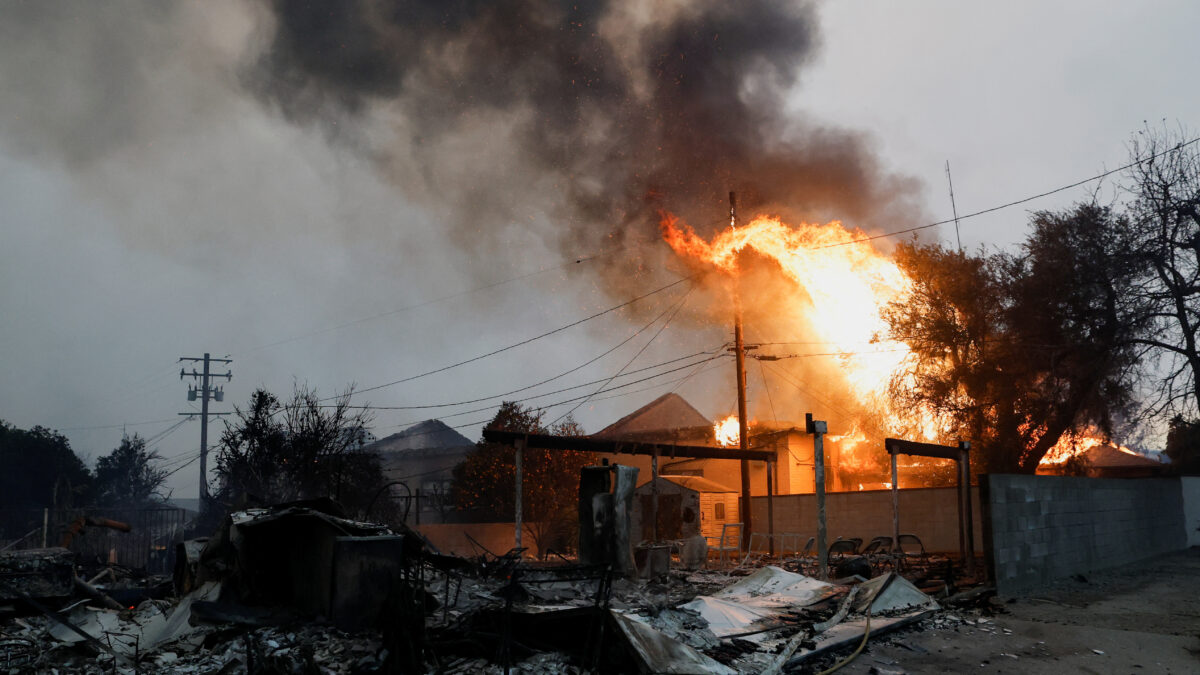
(153, 209)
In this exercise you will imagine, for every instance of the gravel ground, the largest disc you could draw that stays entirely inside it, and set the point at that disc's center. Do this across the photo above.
(1140, 618)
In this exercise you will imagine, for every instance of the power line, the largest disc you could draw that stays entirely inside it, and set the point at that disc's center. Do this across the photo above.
(781, 357)
(677, 382)
(155, 438)
(118, 426)
(668, 362)
(1012, 203)
(179, 468)
(780, 373)
(547, 380)
(517, 344)
(577, 398)
(763, 373)
(666, 323)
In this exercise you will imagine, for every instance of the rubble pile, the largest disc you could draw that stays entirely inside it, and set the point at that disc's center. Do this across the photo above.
(299, 588)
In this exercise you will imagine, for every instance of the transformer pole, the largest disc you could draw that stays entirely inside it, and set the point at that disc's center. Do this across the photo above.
(206, 392)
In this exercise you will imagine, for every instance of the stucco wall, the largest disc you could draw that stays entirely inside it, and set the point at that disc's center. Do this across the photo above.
(929, 513)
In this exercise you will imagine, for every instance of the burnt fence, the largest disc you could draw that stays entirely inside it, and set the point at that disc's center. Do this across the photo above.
(148, 545)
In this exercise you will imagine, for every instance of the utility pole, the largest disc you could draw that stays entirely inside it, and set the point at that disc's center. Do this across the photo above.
(818, 428)
(206, 392)
(739, 347)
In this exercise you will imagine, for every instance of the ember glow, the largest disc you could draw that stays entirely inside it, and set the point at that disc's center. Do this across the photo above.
(1076, 446)
(727, 431)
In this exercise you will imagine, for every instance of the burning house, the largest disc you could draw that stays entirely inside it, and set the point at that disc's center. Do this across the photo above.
(671, 419)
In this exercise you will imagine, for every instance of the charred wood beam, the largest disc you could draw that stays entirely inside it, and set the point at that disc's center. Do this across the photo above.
(586, 444)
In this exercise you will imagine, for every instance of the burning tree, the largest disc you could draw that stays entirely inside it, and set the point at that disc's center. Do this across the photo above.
(1012, 352)
(484, 482)
(1018, 352)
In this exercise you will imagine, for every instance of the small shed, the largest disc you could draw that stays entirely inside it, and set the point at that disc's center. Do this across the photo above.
(687, 506)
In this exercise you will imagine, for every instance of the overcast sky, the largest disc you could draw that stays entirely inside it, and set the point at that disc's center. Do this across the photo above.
(152, 208)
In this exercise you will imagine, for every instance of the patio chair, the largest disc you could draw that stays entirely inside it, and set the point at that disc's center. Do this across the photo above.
(878, 551)
(845, 547)
(878, 545)
(910, 545)
(729, 542)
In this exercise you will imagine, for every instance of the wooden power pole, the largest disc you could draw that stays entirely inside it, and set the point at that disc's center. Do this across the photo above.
(739, 347)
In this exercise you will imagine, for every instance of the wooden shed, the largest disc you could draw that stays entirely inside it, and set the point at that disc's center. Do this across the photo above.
(687, 506)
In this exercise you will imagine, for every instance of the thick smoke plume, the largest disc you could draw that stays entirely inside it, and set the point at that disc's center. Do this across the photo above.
(582, 121)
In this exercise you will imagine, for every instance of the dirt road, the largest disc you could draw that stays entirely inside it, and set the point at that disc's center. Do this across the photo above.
(1140, 618)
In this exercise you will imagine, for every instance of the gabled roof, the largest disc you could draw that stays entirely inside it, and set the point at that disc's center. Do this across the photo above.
(421, 436)
(698, 483)
(665, 413)
(1108, 456)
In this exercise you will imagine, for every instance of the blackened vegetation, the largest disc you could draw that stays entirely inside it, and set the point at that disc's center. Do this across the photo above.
(274, 452)
(620, 110)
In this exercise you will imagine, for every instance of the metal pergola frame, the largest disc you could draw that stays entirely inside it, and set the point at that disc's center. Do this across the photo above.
(961, 455)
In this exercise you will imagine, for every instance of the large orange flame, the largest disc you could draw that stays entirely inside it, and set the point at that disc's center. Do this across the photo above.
(728, 432)
(840, 285)
(846, 283)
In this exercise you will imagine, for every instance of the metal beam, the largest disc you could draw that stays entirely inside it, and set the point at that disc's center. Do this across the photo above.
(897, 446)
(619, 447)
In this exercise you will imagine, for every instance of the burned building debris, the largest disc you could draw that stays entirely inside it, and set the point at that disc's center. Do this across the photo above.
(300, 587)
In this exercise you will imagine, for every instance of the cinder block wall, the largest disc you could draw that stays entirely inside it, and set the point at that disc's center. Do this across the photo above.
(1042, 528)
(929, 513)
(1190, 486)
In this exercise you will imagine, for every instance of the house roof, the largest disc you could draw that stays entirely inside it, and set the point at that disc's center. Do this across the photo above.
(1108, 456)
(422, 436)
(667, 412)
(698, 483)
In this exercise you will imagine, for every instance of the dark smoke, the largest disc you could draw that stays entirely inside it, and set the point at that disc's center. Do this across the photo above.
(583, 120)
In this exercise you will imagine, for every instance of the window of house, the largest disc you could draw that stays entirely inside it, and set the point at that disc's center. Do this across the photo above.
(719, 511)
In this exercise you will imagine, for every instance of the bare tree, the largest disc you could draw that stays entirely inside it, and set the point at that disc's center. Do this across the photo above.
(1165, 215)
(273, 451)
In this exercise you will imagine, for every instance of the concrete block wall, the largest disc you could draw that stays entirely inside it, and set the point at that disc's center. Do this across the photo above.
(1041, 528)
(1190, 488)
(929, 513)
